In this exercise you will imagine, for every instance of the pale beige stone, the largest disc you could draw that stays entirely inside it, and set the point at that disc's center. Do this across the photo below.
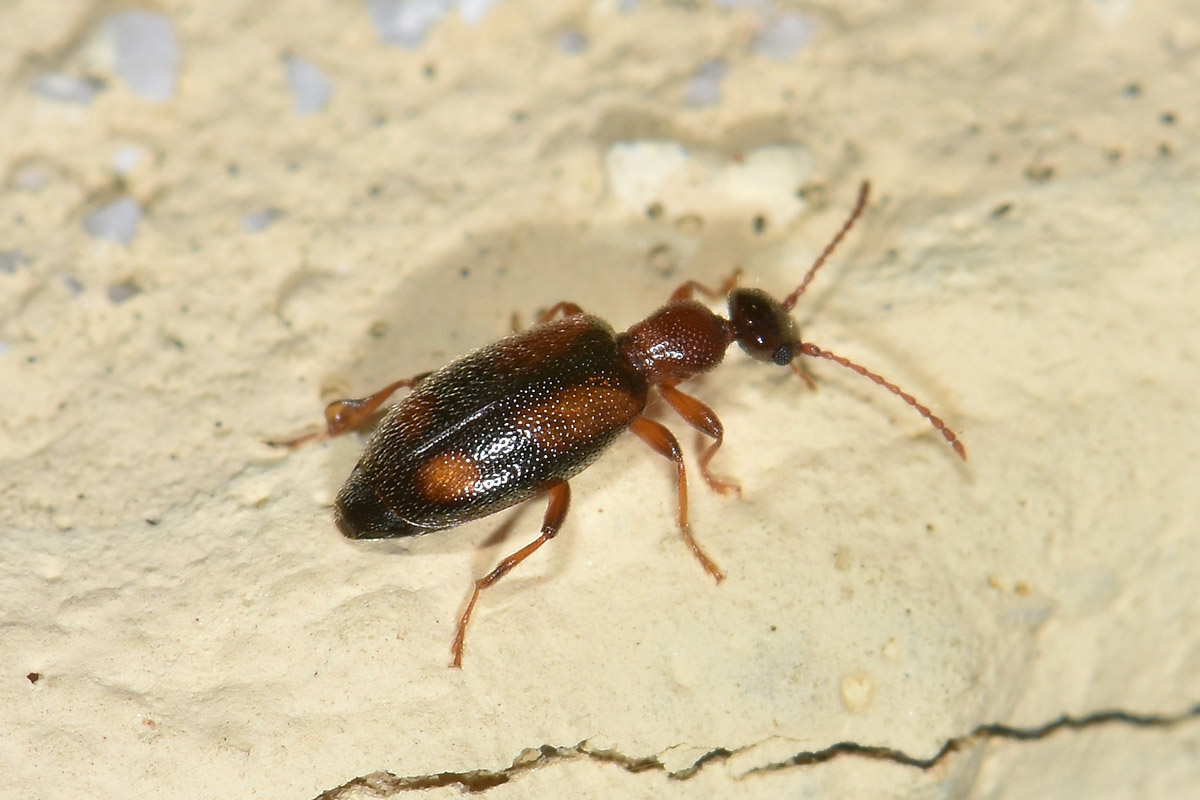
(180, 618)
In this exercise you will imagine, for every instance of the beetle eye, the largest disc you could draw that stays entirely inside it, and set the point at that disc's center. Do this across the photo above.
(782, 355)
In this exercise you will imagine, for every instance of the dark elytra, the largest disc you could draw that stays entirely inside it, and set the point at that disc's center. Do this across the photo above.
(521, 417)
(494, 428)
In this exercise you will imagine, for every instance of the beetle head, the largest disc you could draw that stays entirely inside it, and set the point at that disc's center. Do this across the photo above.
(763, 327)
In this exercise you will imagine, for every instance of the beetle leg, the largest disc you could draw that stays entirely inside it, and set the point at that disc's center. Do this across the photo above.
(685, 291)
(342, 416)
(566, 307)
(556, 512)
(800, 370)
(662, 440)
(703, 419)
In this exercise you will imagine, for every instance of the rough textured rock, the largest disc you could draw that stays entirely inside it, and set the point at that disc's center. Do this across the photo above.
(179, 617)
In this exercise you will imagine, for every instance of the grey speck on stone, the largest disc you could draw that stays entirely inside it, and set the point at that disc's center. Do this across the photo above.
(311, 90)
(572, 42)
(67, 88)
(406, 22)
(705, 88)
(115, 222)
(260, 220)
(32, 179)
(783, 35)
(759, 5)
(122, 290)
(11, 259)
(473, 11)
(146, 51)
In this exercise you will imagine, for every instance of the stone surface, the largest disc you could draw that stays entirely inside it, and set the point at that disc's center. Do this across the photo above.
(179, 616)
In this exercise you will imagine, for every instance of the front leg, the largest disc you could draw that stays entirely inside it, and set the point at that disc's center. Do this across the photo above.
(703, 419)
(686, 291)
(664, 443)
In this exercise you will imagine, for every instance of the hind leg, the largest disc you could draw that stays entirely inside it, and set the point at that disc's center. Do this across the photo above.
(343, 416)
(556, 513)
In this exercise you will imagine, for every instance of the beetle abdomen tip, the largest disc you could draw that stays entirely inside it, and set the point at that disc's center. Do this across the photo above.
(360, 514)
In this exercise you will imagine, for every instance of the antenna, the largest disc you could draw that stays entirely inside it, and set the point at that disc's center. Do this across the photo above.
(863, 192)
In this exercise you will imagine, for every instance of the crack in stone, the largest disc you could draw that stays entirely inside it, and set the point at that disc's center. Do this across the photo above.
(385, 784)
(981, 734)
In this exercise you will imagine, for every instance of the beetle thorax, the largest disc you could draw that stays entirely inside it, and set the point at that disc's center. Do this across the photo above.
(681, 339)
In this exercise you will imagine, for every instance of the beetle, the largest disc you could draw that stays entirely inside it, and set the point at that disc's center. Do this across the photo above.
(519, 418)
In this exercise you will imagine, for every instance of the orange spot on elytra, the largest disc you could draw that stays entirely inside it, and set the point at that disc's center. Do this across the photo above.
(576, 414)
(448, 477)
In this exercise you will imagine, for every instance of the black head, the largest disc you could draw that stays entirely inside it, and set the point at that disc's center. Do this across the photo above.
(763, 327)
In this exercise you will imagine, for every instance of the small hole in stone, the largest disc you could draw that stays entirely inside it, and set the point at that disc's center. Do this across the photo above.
(121, 291)
(1039, 172)
(661, 259)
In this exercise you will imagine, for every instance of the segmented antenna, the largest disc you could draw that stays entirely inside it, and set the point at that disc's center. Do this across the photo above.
(809, 349)
(863, 192)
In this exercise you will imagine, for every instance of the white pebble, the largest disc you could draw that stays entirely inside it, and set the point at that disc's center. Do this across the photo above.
(473, 11)
(126, 158)
(639, 170)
